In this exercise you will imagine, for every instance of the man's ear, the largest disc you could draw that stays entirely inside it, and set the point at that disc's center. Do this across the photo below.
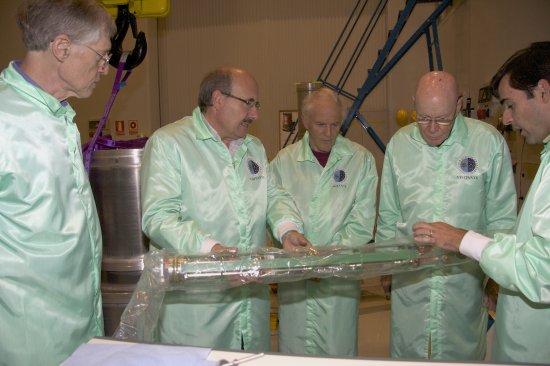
(459, 104)
(305, 121)
(217, 99)
(543, 87)
(60, 47)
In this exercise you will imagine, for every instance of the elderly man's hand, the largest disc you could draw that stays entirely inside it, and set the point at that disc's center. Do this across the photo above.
(293, 240)
(222, 249)
(438, 233)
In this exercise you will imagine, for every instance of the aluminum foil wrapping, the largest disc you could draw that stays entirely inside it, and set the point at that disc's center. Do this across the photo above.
(165, 271)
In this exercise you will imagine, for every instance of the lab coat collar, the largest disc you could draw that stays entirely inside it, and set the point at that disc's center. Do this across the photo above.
(16, 78)
(205, 131)
(546, 146)
(339, 149)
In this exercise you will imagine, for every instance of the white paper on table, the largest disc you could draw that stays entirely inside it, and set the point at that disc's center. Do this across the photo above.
(121, 354)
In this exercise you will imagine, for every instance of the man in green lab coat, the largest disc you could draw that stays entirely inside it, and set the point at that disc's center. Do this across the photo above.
(206, 187)
(50, 239)
(333, 182)
(451, 168)
(519, 262)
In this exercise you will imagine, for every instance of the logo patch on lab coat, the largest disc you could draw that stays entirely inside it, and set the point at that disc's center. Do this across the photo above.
(254, 169)
(339, 175)
(467, 166)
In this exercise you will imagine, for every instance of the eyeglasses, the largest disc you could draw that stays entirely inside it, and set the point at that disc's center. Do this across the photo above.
(249, 102)
(426, 120)
(103, 59)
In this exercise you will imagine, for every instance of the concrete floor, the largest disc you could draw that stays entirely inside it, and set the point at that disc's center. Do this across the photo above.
(374, 321)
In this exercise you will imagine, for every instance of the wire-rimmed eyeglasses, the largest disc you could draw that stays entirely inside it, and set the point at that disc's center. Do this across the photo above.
(249, 102)
(425, 120)
(103, 59)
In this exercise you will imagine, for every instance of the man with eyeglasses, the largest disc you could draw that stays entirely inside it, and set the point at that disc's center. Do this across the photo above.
(206, 188)
(50, 238)
(444, 167)
(518, 262)
(333, 182)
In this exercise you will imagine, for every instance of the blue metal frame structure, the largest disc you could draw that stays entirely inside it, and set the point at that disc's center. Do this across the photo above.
(380, 68)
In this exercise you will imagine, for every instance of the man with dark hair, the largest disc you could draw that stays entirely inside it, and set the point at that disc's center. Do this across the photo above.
(50, 239)
(519, 262)
(206, 188)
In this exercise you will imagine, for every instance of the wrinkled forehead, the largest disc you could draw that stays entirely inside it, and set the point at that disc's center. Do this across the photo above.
(435, 104)
(324, 109)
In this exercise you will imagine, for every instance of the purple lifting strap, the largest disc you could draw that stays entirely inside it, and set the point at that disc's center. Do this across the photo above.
(103, 143)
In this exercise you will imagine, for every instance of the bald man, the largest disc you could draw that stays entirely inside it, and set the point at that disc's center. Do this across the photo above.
(518, 262)
(444, 167)
(206, 187)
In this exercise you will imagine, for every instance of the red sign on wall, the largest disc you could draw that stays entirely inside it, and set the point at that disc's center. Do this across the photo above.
(119, 127)
(133, 127)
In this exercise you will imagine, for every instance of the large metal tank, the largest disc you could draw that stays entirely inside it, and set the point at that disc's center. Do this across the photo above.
(114, 177)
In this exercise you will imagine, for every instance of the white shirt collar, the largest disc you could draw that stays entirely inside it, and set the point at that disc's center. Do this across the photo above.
(233, 145)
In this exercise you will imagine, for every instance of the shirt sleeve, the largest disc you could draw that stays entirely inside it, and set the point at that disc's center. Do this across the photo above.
(472, 245)
(208, 244)
(284, 227)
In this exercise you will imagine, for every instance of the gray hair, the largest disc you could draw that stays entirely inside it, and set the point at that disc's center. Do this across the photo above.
(320, 94)
(83, 21)
(219, 79)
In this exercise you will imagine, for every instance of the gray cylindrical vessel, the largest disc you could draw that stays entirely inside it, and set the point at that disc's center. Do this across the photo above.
(114, 177)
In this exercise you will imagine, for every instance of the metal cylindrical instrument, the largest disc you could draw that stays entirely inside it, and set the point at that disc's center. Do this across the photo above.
(114, 178)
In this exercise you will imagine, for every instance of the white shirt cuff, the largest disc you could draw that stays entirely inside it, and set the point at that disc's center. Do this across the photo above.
(473, 244)
(284, 227)
(208, 244)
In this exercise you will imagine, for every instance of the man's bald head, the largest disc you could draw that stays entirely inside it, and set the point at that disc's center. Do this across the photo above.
(437, 99)
(437, 85)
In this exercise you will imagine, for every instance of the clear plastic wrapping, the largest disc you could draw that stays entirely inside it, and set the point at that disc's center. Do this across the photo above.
(165, 271)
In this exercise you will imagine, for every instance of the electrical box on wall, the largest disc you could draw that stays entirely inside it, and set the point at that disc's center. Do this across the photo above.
(485, 108)
(140, 8)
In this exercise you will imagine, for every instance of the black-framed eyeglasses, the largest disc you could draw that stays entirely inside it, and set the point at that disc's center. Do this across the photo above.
(103, 59)
(249, 102)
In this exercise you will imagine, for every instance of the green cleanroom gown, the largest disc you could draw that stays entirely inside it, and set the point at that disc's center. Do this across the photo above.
(467, 182)
(50, 239)
(193, 189)
(520, 264)
(338, 206)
